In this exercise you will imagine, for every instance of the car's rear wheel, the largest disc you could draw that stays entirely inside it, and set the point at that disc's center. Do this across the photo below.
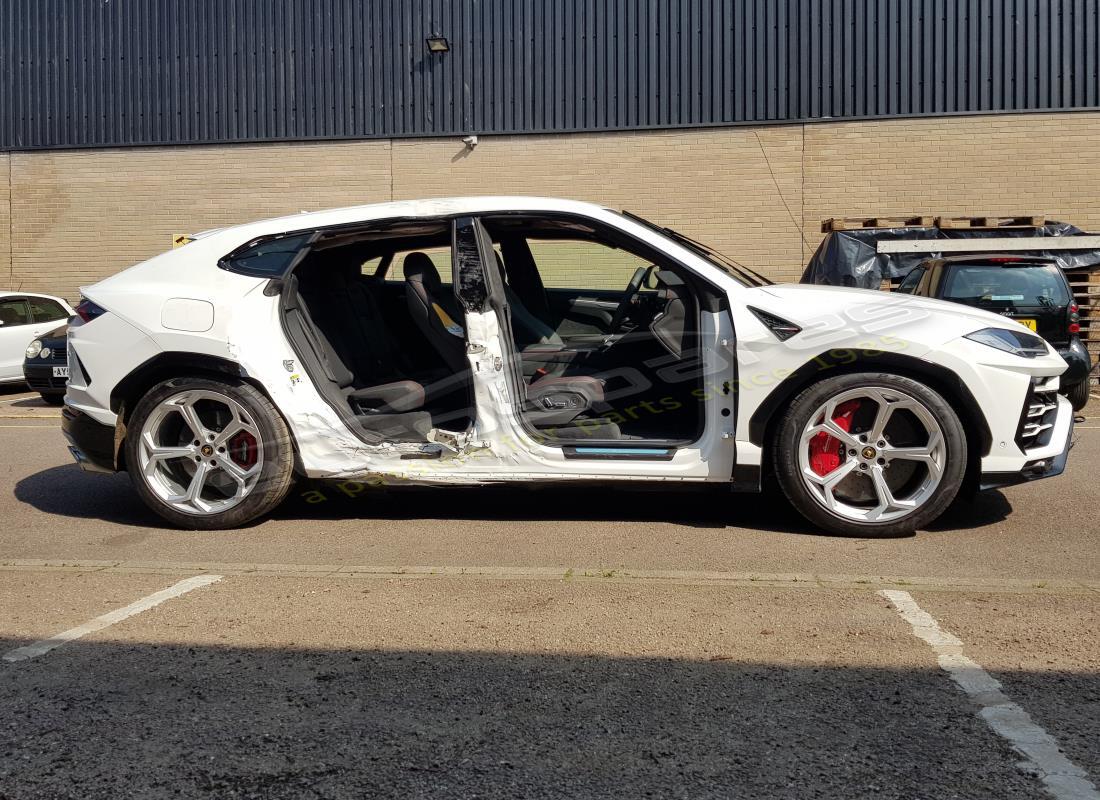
(870, 454)
(1078, 395)
(208, 454)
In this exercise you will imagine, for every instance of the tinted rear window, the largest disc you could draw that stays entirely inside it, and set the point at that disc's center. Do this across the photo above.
(268, 258)
(997, 286)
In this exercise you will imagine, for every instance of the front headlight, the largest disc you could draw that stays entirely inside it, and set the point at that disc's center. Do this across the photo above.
(34, 348)
(1020, 343)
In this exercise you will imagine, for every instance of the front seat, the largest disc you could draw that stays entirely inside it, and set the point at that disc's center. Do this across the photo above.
(551, 400)
(529, 330)
(434, 310)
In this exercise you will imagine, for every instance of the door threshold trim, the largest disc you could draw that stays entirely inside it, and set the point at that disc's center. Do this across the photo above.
(620, 453)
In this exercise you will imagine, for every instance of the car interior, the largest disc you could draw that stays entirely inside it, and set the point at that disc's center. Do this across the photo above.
(606, 332)
(605, 344)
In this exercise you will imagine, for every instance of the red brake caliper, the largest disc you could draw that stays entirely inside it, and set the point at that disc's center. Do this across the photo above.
(825, 450)
(242, 449)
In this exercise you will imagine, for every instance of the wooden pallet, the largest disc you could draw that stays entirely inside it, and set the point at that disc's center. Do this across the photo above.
(928, 221)
(856, 223)
(990, 222)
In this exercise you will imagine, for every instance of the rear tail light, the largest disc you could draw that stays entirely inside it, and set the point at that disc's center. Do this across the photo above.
(87, 310)
(1074, 318)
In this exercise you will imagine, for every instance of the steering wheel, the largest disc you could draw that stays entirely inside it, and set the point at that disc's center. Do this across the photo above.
(632, 289)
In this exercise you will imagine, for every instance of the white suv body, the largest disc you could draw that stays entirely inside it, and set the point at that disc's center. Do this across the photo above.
(189, 313)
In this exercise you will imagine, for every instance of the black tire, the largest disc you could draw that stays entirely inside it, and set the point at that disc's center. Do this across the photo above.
(797, 417)
(277, 470)
(1078, 395)
(53, 399)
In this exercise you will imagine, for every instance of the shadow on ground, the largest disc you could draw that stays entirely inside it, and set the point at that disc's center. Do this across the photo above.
(67, 491)
(18, 396)
(31, 402)
(142, 720)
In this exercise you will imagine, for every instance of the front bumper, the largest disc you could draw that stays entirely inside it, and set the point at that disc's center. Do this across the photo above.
(1046, 461)
(39, 376)
(91, 443)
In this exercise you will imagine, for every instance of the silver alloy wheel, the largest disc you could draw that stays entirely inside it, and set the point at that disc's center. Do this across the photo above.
(876, 479)
(201, 452)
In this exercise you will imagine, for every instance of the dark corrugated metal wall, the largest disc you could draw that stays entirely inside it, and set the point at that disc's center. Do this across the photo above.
(110, 72)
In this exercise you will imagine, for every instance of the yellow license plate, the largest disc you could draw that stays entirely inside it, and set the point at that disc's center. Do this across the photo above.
(1029, 323)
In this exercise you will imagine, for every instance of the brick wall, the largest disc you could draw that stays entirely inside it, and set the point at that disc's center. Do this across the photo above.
(758, 194)
(6, 276)
(712, 184)
(81, 215)
(1036, 163)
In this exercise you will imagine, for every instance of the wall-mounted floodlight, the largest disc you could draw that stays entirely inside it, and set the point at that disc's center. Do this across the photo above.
(438, 44)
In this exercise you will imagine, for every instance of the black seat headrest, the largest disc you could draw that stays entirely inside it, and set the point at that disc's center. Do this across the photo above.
(418, 266)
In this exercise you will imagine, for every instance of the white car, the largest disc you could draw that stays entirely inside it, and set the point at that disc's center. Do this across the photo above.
(24, 316)
(499, 340)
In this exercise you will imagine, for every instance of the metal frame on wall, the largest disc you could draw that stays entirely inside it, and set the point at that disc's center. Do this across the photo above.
(78, 73)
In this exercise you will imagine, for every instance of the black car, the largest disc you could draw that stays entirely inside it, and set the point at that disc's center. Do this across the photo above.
(1033, 291)
(46, 365)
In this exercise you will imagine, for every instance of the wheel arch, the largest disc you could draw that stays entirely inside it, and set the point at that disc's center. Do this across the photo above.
(162, 367)
(766, 418)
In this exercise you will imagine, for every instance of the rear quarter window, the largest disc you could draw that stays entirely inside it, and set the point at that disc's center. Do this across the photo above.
(267, 259)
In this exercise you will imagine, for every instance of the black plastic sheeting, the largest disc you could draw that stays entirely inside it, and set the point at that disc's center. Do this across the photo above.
(851, 258)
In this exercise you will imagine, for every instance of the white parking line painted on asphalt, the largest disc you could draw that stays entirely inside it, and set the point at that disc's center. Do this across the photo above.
(1062, 778)
(110, 618)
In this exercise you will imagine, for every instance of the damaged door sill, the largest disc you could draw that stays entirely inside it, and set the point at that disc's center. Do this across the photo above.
(455, 441)
(432, 454)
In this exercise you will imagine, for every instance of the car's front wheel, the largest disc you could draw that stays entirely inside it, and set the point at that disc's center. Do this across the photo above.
(870, 454)
(208, 454)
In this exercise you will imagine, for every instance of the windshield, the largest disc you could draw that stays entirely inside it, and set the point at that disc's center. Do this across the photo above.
(709, 254)
(1006, 287)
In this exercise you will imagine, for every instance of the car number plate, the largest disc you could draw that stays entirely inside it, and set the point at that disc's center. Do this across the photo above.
(61, 372)
(1029, 323)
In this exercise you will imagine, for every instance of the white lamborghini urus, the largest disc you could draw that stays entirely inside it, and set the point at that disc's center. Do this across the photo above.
(510, 339)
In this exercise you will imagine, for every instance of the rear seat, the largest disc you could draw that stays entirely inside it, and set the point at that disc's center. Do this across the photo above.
(392, 409)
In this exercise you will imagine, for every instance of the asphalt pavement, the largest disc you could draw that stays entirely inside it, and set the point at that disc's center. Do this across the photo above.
(550, 643)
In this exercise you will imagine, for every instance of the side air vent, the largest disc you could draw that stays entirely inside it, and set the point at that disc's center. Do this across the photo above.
(782, 329)
(1037, 420)
(78, 376)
